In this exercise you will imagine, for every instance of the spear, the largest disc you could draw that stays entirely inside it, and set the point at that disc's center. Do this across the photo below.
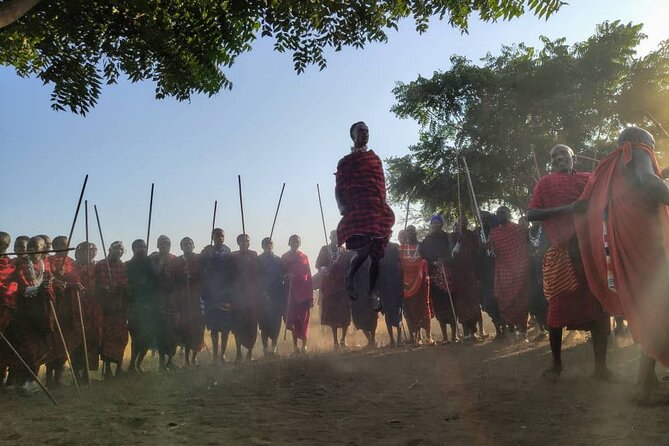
(477, 213)
(148, 231)
(102, 241)
(213, 223)
(271, 233)
(241, 203)
(325, 232)
(76, 213)
(81, 314)
(49, 251)
(406, 216)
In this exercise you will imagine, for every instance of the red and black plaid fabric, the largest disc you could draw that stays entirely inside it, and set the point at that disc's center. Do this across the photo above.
(189, 290)
(246, 299)
(466, 291)
(92, 314)
(335, 303)
(113, 297)
(555, 190)
(361, 189)
(512, 271)
(417, 306)
(8, 287)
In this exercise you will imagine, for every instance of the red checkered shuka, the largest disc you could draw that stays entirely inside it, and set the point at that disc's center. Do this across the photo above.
(8, 287)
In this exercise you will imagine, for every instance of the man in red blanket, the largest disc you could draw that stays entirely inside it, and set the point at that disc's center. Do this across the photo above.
(624, 237)
(300, 293)
(367, 220)
(7, 287)
(570, 302)
(512, 270)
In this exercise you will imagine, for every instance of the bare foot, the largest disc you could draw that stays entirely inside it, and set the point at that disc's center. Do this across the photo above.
(552, 373)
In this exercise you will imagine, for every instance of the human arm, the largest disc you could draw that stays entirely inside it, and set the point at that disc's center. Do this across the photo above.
(535, 214)
(645, 177)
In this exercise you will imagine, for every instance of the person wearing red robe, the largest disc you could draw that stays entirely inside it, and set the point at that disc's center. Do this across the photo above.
(510, 244)
(367, 220)
(7, 291)
(246, 297)
(300, 293)
(417, 306)
(163, 264)
(84, 255)
(570, 302)
(332, 263)
(111, 282)
(624, 237)
(187, 273)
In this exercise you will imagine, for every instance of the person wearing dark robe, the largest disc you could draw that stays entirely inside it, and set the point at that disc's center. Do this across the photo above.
(67, 288)
(332, 263)
(389, 288)
(538, 303)
(218, 277)
(188, 277)
(436, 250)
(510, 245)
(367, 220)
(111, 282)
(300, 293)
(416, 277)
(143, 319)
(246, 297)
(163, 263)
(624, 244)
(84, 255)
(485, 272)
(273, 296)
(467, 293)
(571, 304)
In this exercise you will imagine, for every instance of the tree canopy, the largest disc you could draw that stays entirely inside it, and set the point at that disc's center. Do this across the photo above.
(184, 46)
(505, 114)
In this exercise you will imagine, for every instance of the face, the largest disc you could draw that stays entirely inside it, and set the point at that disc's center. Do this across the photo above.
(268, 247)
(333, 237)
(164, 245)
(92, 251)
(244, 242)
(411, 233)
(360, 135)
(47, 242)
(5, 241)
(60, 243)
(116, 252)
(436, 226)
(562, 159)
(36, 244)
(402, 236)
(294, 243)
(139, 249)
(503, 214)
(21, 245)
(187, 246)
(219, 238)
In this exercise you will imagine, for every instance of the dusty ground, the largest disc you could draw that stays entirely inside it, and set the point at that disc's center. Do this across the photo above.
(485, 394)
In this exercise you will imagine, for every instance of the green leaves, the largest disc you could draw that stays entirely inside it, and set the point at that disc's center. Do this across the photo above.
(184, 45)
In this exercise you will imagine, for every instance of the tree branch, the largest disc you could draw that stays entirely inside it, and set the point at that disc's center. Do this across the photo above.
(12, 10)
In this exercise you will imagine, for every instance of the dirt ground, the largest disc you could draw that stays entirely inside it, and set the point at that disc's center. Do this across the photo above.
(485, 394)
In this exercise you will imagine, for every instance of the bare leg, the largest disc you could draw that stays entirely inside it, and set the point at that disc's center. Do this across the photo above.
(296, 349)
(373, 275)
(646, 379)
(356, 262)
(238, 357)
(187, 355)
(140, 357)
(342, 342)
(555, 340)
(214, 345)
(334, 339)
(224, 343)
(454, 333)
(599, 344)
(390, 333)
(264, 338)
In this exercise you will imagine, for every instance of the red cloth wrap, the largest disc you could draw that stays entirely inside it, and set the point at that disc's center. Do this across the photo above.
(301, 294)
(417, 307)
(512, 272)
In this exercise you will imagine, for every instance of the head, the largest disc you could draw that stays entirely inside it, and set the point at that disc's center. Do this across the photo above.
(333, 237)
(5, 241)
(82, 249)
(187, 245)
(436, 224)
(636, 135)
(359, 134)
(21, 244)
(402, 236)
(294, 242)
(267, 245)
(47, 241)
(503, 214)
(36, 243)
(139, 248)
(164, 244)
(562, 158)
(218, 236)
(411, 234)
(244, 242)
(116, 251)
(60, 242)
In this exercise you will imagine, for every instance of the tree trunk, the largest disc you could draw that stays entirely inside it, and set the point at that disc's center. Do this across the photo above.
(12, 10)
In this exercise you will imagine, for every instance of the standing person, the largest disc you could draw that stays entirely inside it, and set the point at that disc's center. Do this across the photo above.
(163, 263)
(143, 320)
(417, 307)
(367, 220)
(465, 281)
(333, 262)
(246, 298)
(187, 273)
(390, 288)
(273, 298)
(436, 250)
(8, 289)
(570, 302)
(85, 255)
(625, 247)
(300, 293)
(538, 303)
(485, 272)
(113, 294)
(217, 287)
(509, 242)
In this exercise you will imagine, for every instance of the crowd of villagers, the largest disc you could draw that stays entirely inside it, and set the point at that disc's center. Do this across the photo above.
(596, 247)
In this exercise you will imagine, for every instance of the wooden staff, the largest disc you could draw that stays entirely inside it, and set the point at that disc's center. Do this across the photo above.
(477, 213)
(271, 233)
(67, 351)
(102, 241)
(213, 223)
(536, 161)
(88, 274)
(459, 197)
(406, 216)
(83, 335)
(148, 231)
(450, 298)
(76, 213)
(241, 203)
(49, 251)
(25, 364)
(325, 232)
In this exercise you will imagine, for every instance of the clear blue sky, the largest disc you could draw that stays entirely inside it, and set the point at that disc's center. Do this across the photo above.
(273, 127)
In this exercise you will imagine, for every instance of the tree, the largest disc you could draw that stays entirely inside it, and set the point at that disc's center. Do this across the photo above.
(184, 46)
(505, 114)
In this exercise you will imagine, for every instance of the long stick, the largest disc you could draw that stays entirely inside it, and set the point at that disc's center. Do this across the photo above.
(477, 213)
(67, 351)
(148, 231)
(450, 298)
(325, 232)
(459, 197)
(49, 251)
(102, 240)
(213, 223)
(271, 233)
(76, 213)
(25, 364)
(83, 335)
(241, 203)
(406, 216)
